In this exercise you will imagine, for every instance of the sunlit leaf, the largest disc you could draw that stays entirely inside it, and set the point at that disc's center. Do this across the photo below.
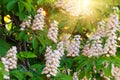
(26, 55)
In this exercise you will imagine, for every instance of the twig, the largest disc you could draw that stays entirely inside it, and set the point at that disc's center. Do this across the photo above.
(15, 19)
(23, 67)
(25, 47)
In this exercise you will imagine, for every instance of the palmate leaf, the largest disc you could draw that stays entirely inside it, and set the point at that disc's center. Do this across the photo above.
(84, 65)
(81, 61)
(20, 75)
(88, 68)
(67, 62)
(100, 65)
(17, 74)
(101, 60)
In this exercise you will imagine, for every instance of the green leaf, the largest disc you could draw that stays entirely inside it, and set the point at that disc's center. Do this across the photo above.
(66, 62)
(39, 2)
(21, 15)
(5, 1)
(80, 58)
(29, 1)
(62, 76)
(26, 55)
(79, 28)
(104, 39)
(102, 59)
(41, 39)
(26, 37)
(37, 78)
(20, 6)
(69, 63)
(27, 73)
(82, 61)
(115, 60)
(4, 47)
(21, 35)
(37, 68)
(35, 43)
(27, 6)
(17, 74)
(11, 5)
(81, 75)
(107, 70)
(1, 71)
(1, 76)
(88, 67)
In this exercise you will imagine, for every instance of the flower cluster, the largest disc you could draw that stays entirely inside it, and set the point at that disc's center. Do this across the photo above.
(74, 47)
(53, 32)
(105, 30)
(53, 59)
(26, 23)
(112, 27)
(116, 72)
(71, 6)
(10, 61)
(75, 76)
(38, 22)
(96, 48)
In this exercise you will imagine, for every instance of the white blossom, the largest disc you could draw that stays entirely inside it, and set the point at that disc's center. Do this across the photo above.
(53, 32)
(75, 76)
(38, 22)
(94, 46)
(112, 27)
(74, 47)
(104, 30)
(10, 61)
(53, 60)
(115, 72)
(26, 23)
